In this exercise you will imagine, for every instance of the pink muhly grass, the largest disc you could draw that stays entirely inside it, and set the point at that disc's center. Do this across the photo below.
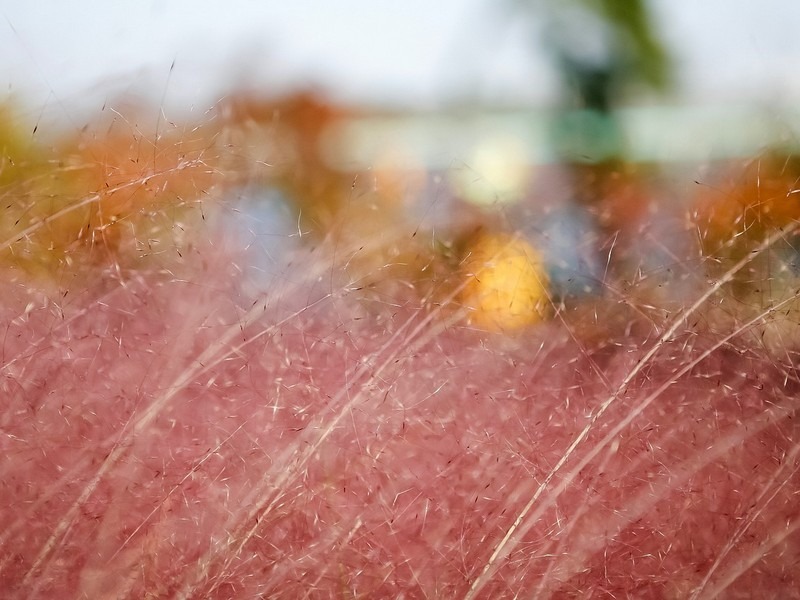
(176, 432)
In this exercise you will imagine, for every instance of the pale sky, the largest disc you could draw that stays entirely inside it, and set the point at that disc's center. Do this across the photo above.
(415, 52)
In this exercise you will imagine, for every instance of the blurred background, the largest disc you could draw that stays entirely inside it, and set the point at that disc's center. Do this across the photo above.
(496, 52)
(717, 61)
(577, 128)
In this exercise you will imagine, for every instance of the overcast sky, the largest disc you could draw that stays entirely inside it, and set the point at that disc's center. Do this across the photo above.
(414, 52)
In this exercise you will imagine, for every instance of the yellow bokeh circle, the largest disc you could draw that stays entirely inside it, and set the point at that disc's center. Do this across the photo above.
(506, 286)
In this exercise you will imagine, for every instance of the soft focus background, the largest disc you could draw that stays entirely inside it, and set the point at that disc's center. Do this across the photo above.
(728, 69)
(582, 126)
(407, 55)
(490, 51)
